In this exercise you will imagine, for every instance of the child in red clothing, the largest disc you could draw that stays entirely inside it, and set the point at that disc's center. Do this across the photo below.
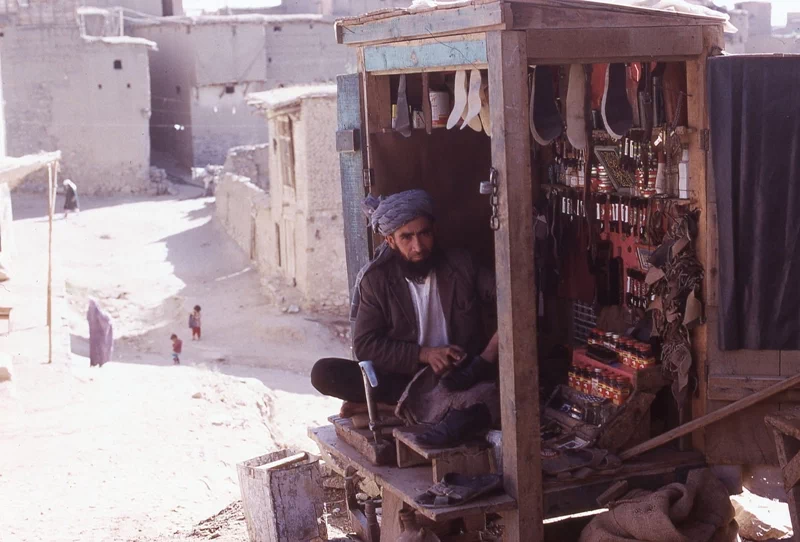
(194, 322)
(177, 346)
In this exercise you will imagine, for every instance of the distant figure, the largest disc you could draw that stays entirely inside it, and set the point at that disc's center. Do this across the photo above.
(101, 335)
(70, 197)
(177, 346)
(194, 322)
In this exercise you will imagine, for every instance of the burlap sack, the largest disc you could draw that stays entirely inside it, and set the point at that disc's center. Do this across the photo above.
(700, 511)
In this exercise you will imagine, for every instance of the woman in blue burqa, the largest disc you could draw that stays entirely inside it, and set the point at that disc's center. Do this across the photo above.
(101, 335)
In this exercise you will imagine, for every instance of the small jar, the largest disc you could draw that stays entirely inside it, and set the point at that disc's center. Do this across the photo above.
(634, 355)
(648, 360)
(606, 386)
(596, 376)
(608, 340)
(615, 342)
(626, 352)
(585, 381)
(571, 375)
(616, 391)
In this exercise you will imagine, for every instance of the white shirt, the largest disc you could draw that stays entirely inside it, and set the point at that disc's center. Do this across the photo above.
(430, 316)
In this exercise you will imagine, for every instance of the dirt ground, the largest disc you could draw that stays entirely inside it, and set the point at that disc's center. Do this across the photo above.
(141, 449)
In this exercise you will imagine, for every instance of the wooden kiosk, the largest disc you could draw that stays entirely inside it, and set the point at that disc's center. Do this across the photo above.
(506, 38)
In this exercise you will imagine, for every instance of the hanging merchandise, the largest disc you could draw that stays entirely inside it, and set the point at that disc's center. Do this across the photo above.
(659, 111)
(615, 108)
(675, 279)
(575, 107)
(403, 122)
(440, 108)
(545, 120)
(486, 121)
(460, 99)
(683, 174)
(473, 102)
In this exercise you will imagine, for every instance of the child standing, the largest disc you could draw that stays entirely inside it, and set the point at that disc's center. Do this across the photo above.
(194, 322)
(177, 346)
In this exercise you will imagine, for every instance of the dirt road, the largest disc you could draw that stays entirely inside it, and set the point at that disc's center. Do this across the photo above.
(140, 449)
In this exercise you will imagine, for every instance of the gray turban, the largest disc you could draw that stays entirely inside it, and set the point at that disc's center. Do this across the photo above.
(387, 215)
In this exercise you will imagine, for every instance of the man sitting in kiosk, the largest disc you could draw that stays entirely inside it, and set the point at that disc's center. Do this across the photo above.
(416, 304)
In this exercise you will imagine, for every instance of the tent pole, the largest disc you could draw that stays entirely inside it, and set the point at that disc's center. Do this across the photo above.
(50, 199)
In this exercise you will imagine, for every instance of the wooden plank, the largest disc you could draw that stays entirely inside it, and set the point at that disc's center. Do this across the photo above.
(737, 362)
(407, 435)
(713, 417)
(378, 94)
(789, 362)
(516, 297)
(351, 166)
(285, 462)
(733, 388)
(423, 23)
(787, 422)
(697, 113)
(426, 102)
(554, 46)
(406, 482)
(427, 55)
(392, 505)
(567, 14)
(467, 464)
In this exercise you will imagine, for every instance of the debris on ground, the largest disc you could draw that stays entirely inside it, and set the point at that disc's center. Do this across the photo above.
(761, 519)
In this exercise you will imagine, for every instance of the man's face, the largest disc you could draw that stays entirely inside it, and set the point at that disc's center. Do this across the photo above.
(414, 241)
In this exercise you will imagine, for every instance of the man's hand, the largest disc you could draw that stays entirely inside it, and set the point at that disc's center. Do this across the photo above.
(441, 359)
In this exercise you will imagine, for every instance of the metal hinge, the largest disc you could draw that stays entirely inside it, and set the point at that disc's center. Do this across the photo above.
(368, 178)
(705, 139)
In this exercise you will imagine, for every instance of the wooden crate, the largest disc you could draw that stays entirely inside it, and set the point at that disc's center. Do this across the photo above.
(282, 503)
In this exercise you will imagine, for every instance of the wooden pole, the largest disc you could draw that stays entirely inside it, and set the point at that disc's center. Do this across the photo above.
(713, 417)
(516, 291)
(52, 176)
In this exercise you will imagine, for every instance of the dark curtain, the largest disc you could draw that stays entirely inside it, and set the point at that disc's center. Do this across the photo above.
(754, 105)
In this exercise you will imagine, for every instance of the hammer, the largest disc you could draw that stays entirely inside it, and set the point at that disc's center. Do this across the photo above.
(370, 383)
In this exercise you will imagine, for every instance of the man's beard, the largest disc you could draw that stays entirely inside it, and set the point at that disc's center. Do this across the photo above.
(418, 271)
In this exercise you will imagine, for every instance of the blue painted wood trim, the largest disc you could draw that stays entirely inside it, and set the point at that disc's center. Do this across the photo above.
(427, 55)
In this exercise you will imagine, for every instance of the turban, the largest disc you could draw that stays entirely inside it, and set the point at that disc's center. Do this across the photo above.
(387, 215)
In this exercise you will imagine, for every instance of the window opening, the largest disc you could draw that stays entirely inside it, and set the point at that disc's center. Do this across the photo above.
(230, 89)
(117, 64)
(286, 150)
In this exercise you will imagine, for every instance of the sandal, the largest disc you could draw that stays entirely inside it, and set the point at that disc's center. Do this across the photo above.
(457, 489)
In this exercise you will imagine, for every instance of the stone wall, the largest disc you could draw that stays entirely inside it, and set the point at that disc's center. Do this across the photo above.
(308, 216)
(217, 61)
(251, 161)
(89, 98)
(243, 209)
(325, 273)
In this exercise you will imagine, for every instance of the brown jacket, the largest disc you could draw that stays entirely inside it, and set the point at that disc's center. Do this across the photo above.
(386, 330)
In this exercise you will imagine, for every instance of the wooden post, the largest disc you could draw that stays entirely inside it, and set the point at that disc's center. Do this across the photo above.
(516, 291)
(50, 204)
(703, 197)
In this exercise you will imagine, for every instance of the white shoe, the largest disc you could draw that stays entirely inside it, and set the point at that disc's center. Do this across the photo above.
(460, 99)
(473, 102)
(575, 107)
